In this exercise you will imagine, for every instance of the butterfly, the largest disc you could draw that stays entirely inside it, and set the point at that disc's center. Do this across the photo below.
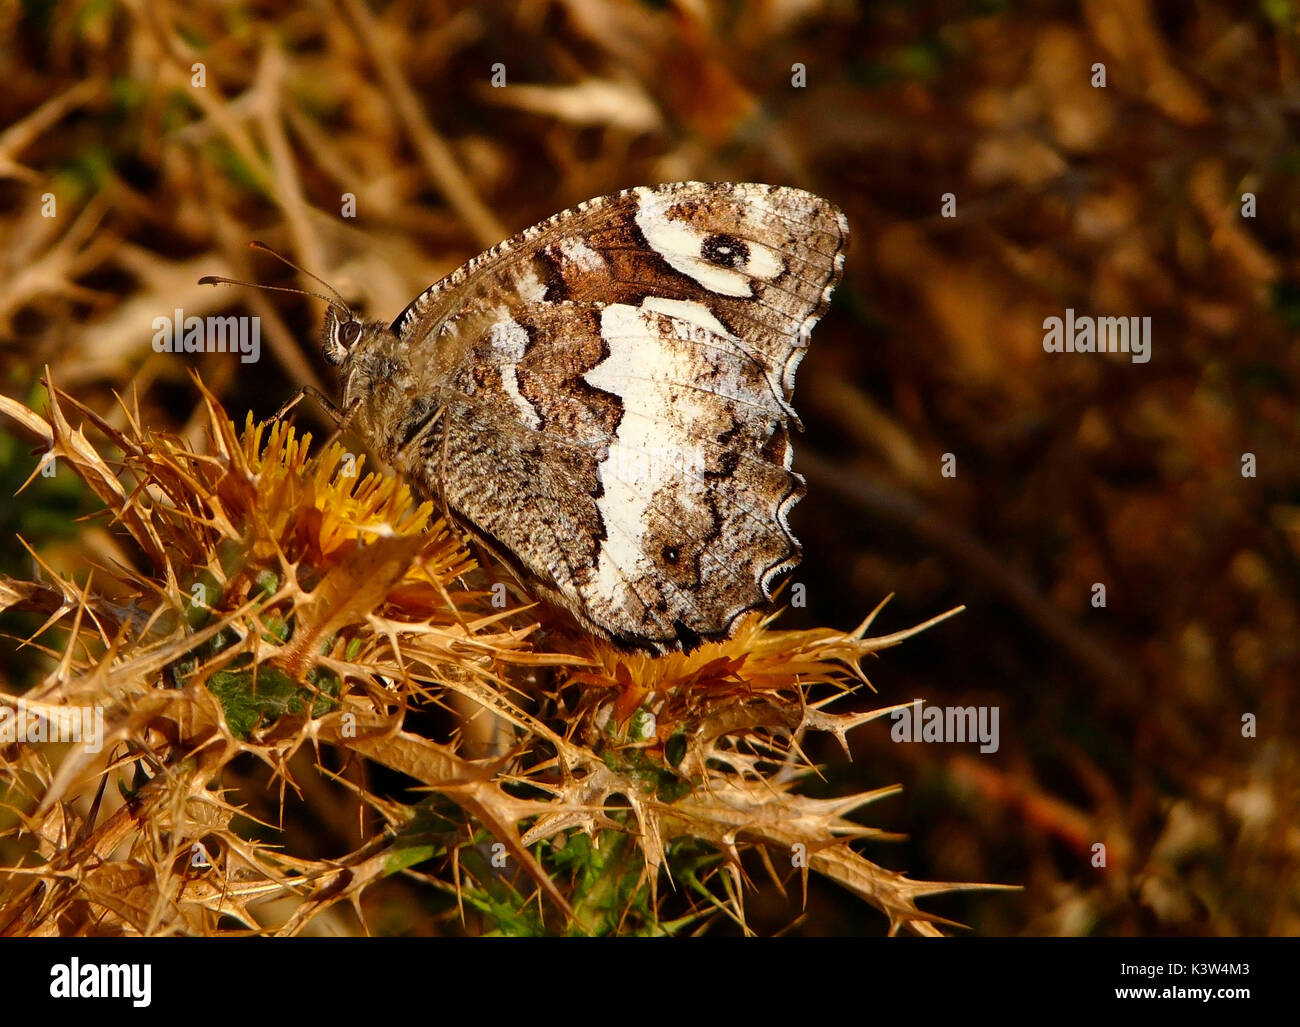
(604, 400)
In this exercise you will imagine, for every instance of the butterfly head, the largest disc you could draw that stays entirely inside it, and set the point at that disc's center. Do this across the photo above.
(368, 354)
(340, 334)
(356, 347)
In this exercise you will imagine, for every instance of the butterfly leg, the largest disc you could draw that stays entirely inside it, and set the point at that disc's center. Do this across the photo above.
(335, 413)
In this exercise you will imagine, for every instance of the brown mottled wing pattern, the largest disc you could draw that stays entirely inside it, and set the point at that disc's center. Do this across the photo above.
(615, 390)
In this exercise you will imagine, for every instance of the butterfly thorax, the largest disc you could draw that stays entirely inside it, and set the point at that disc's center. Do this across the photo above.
(385, 395)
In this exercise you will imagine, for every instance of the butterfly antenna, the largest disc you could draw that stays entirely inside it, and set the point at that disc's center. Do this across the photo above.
(223, 280)
(257, 244)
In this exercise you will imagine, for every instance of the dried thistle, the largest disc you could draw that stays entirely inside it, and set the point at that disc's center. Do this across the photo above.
(278, 604)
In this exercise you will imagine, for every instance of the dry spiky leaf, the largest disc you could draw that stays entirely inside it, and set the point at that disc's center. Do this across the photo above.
(283, 603)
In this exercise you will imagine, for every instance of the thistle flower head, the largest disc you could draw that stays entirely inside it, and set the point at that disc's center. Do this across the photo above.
(280, 601)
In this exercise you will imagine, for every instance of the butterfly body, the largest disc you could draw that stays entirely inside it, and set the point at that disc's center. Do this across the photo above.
(605, 399)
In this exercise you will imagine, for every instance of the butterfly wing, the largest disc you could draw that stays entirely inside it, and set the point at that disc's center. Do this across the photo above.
(615, 417)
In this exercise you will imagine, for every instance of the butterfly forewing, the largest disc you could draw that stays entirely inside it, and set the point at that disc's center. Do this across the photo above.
(612, 394)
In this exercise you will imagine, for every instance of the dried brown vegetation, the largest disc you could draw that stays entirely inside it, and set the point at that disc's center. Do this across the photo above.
(1121, 725)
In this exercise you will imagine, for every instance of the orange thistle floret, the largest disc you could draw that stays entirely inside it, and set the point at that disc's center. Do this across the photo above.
(757, 665)
(317, 505)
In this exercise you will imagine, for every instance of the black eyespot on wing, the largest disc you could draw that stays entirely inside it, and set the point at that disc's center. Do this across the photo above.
(724, 250)
(671, 554)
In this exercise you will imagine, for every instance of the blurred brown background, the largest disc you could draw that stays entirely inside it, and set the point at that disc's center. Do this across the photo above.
(1120, 725)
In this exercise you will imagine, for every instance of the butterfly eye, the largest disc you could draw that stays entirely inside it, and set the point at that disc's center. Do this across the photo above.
(349, 332)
